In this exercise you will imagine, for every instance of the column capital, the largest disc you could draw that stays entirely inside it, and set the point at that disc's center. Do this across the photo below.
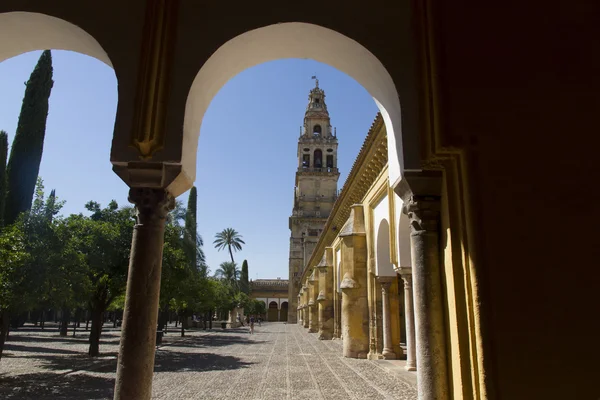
(152, 205)
(420, 192)
(385, 286)
(423, 213)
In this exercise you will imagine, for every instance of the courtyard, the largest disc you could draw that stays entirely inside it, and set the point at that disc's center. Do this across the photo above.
(279, 361)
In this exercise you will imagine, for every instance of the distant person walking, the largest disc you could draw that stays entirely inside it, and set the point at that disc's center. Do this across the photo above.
(252, 325)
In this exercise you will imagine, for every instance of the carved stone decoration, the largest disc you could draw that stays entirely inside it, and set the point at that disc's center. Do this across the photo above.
(148, 133)
(152, 205)
(423, 213)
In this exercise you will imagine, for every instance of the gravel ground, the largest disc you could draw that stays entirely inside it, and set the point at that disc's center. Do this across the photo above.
(278, 362)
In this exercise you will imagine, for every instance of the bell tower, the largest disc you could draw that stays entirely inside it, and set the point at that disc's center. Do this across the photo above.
(315, 190)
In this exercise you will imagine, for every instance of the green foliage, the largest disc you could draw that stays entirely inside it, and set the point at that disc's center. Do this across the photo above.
(3, 181)
(28, 144)
(244, 284)
(255, 307)
(13, 256)
(223, 296)
(184, 284)
(104, 241)
(229, 273)
(117, 304)
(229, 238)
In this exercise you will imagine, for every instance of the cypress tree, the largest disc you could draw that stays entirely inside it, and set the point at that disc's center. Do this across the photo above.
(244, 285)
(191, 234)
(3, 156)
(27, 147)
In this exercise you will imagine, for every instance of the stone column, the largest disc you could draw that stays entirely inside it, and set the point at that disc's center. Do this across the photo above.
(138, 336)
(421, 197)
(305, 311)
(409, 315)
(388, 350)
(313, 324)
(325, 298)
(355, 308)
(299, 310)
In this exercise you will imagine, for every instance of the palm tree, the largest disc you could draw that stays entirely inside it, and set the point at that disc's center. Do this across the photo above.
(229, 273)
(229, 238)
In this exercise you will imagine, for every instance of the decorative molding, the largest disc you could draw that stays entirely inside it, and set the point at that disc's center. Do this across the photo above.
(149, 129)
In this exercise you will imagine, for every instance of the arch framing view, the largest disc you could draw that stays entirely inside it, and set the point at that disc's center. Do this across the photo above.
(468, 115)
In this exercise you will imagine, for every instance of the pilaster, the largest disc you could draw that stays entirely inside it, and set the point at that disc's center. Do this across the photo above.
(325, 297)
(313, 282)
(355, 309)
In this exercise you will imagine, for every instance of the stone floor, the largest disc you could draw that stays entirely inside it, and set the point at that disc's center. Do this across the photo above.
(278, 362)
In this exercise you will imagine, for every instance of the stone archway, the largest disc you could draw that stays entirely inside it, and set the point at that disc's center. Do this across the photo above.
(273, 312)
(29, 31)
(383, 264)
(293, 40)
(283, 312)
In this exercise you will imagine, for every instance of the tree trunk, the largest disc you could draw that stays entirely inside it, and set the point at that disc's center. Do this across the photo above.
(231, 254)
(87, 320)
(183, 324)
(162, 319)
(64, 321)
(96, 330)
(4, 324)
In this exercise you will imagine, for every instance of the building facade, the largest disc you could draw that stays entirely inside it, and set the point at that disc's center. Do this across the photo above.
(358, 282)
(315, 188)
(274, 293)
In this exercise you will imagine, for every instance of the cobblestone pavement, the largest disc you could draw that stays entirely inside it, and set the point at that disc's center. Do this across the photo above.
(278, 362)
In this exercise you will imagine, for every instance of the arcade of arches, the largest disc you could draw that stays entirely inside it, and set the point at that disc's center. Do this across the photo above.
(274, 293)
(488, 110)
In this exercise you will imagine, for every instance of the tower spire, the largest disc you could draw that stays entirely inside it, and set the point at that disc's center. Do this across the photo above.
(316, 80)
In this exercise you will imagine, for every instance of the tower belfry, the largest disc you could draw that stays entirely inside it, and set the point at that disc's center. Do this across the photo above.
(315, 190)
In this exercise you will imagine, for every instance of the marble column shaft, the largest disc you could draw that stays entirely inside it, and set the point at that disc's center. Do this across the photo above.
(135, 365)
(388, 348)
(432, 376)
(409, 313)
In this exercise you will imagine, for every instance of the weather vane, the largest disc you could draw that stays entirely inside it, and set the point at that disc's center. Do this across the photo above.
(316, 80)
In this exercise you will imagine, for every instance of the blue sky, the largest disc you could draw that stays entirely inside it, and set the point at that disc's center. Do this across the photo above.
(246, 153)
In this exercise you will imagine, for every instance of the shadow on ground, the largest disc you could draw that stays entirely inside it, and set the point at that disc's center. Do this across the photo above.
(174, 361)
(217, 340)
(80, 338)
(45, 386)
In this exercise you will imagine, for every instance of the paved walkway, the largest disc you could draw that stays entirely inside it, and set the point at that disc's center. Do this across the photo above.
(278, 362)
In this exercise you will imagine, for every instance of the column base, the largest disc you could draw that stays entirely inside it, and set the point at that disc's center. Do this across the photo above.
(353, 354)
(410, 368)
(388, 354)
